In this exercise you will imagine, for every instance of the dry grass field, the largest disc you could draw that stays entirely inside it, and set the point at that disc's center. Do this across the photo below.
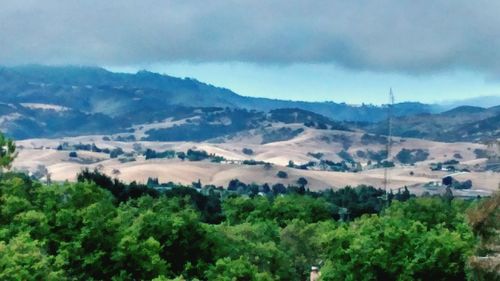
(36, 152)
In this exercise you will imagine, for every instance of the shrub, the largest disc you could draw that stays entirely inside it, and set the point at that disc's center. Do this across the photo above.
(196, 155)
(247, 151)
(451, 162)
(282, 175)
(377, 156)
(344, 155)
(373, 139)
(411, 156)
(253, 162)
(302, 181)
(151, 154)
(361, 154)
(116, 152)
(481, 153)
(181, 155)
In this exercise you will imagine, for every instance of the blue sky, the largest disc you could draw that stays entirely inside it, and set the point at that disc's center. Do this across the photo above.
(328, 82)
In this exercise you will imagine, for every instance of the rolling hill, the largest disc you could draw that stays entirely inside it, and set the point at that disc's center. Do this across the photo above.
(315, 154)
(48, 101)
(98, 101)
(464, 123)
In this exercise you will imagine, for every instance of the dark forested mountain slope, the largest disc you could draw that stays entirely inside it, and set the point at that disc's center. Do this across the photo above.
(42, 101)
(95, 90)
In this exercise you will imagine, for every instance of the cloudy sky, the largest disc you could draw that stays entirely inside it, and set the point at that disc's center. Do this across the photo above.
(339, 50)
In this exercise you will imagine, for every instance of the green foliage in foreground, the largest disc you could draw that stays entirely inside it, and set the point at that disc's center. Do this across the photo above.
(7, 152)
(78, 231)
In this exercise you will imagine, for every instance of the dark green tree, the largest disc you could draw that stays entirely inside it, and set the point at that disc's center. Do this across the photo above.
(7, 152)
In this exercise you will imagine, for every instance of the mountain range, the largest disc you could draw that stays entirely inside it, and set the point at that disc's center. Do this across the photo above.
(56, 101)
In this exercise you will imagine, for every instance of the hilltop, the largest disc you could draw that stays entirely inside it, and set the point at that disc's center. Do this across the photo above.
(89, 100)
(43, 101)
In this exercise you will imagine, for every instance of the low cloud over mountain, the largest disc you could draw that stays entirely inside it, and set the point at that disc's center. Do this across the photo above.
(402, 36)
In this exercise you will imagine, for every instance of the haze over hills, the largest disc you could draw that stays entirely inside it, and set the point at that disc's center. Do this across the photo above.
(47, 101)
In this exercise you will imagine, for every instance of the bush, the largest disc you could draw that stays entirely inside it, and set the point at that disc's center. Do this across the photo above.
(151, 154)
(116, 152)
(411, 156)
(334, 166)
(196, 155)
(387, 164)
(247, 151)
(377, 156)
(281, 134)
(344, 155)
(467, 184)
(253, 162)
(361, 154)
(481, 153)
(451, 162)
(181, 155)
(302, 181)
(268, 166)
(448, 180)
(282, 175)
(216, 159)
(367, 139)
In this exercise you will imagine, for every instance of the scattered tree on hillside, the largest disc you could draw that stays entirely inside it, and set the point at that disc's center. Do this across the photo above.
(344, 155)
(268, 166)
(116, 152)
(481, 153)
(196, 155)
(302, 181)
(181, 155)
(152, 154)
(282, 174)
(411, 156)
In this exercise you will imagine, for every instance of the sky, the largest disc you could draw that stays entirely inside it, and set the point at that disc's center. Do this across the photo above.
(314, 50)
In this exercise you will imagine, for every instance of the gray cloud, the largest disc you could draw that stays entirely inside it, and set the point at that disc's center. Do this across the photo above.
(385, 35)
